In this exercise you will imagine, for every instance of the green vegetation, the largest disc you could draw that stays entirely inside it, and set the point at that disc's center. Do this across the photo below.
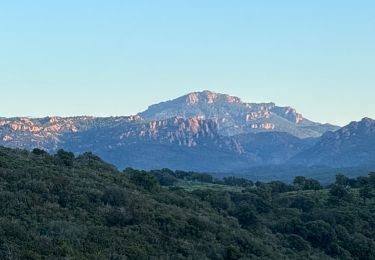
(66, 207)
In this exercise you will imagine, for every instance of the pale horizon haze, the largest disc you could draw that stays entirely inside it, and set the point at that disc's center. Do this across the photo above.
(108, 58)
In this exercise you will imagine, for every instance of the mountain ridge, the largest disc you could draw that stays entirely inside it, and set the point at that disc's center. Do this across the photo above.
(216, 136)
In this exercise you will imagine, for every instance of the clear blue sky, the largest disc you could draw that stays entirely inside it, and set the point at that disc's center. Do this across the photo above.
(94, 57)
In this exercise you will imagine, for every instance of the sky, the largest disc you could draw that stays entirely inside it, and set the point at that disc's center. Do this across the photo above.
(101, 58)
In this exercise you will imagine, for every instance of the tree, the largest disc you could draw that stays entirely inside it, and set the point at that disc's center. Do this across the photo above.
(233, 252)
(298, 243)
(144, 179)
(320, 233)
(66, 158)
(371, 177)
(299, 182)
(365, 192)
(279, 187)
(115, 197)
(362, 181)
(311, 184)
(235, 181)
(339, 192)
(38, 151)
(341, 180)
(304, 203)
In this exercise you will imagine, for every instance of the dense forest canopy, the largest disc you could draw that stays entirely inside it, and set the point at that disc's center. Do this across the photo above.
(62, 206)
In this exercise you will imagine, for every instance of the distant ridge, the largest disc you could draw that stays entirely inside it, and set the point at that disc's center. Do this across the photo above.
(351, 145)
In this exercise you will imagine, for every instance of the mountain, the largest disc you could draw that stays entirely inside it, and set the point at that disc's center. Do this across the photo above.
(352, 145)
(234, 116)
(201, 131)
(176, 143)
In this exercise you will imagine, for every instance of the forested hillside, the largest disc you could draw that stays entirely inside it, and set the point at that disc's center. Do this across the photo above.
(66, 207)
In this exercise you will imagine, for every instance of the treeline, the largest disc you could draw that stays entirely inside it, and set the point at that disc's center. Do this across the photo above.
(167, 177)
(66, 207)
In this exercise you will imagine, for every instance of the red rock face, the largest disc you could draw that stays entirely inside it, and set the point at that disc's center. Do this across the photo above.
(192, 99)
(54, 126)
(211, 98)
(267, 126)
(257, 115)
(231, 99)
(7, 138)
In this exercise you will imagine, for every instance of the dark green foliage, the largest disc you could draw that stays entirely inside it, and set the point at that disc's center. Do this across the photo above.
(115, 197)
(302, 183)
(37, 151)
(365, 192)
(304, 203)
(319, 233)
(66, 158)
(67, 207)
(240, 182)
(143, 179)
(342, 180)
(279, 187)
(297, 243)
(339, 193)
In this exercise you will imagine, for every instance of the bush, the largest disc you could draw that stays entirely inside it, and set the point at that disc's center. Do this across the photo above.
(297, 243)
(115, 197)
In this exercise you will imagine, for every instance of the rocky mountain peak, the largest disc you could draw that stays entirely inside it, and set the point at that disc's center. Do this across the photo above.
(367, 121)
(364, 127)
(235, 116)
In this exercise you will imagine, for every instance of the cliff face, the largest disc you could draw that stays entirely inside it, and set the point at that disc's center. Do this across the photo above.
(234, 116)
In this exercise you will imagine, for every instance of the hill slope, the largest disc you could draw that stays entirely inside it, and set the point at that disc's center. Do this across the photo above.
(62, 207)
